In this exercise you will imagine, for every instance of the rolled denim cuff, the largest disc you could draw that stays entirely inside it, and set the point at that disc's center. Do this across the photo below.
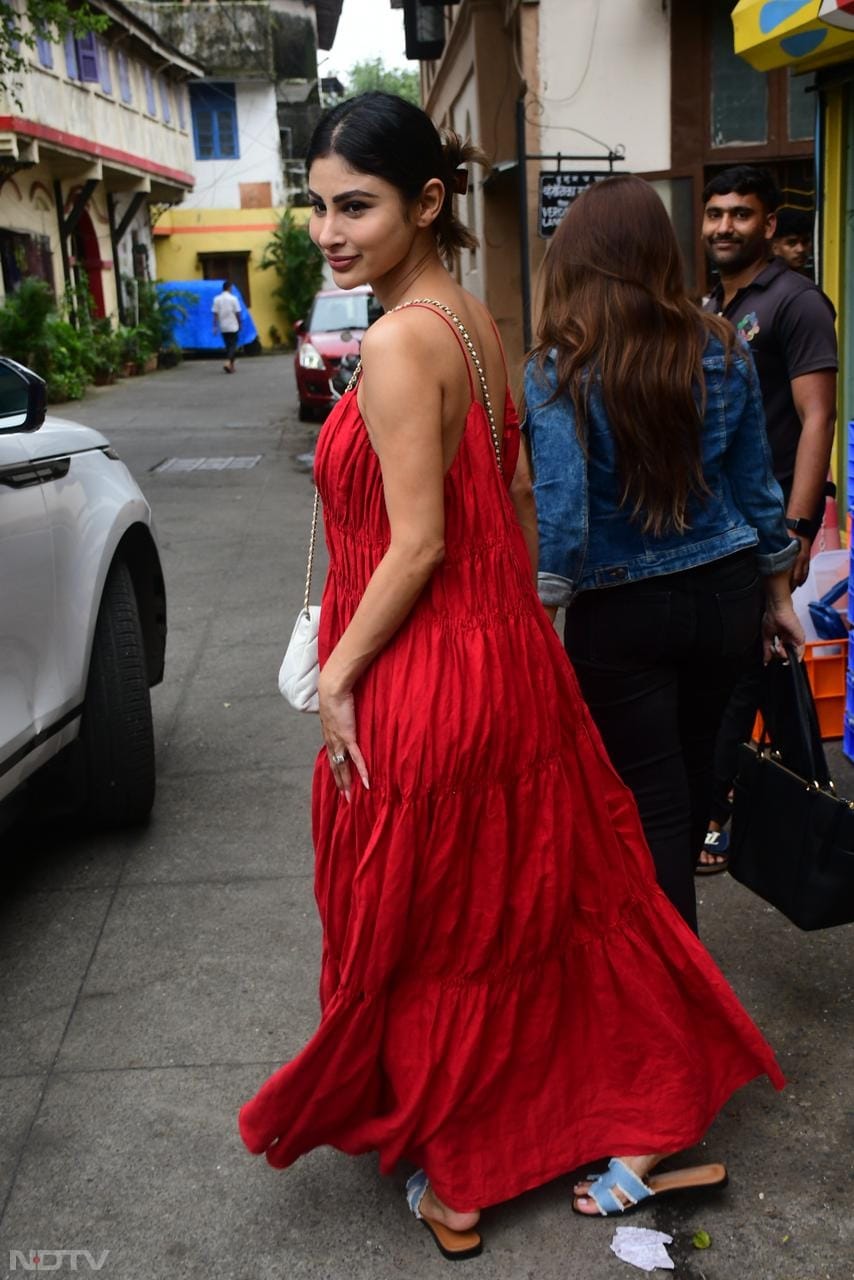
(554, 590)
(779, 560)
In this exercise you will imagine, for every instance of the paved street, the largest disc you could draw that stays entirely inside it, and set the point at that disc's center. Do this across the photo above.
(150, 981)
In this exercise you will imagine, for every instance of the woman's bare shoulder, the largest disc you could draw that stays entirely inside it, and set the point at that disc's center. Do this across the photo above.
(410, 333)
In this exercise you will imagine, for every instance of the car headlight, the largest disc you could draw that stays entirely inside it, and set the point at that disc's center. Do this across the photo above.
(310, 357)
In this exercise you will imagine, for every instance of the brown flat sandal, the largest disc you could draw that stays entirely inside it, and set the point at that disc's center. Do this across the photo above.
(456, 1246)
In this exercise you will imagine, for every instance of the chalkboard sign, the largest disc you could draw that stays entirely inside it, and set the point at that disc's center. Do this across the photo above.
(557, 192)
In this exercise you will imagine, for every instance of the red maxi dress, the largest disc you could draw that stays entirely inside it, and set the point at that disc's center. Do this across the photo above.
(506, 993)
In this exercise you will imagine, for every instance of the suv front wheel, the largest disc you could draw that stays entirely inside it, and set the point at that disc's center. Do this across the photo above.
(116, 734)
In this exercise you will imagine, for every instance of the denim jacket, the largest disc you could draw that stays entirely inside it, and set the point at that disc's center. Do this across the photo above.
(587, 537)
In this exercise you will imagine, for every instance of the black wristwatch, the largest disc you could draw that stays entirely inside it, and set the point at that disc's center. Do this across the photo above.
(803, 528)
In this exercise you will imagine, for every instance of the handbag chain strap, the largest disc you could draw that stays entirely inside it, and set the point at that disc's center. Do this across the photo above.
(487, 404)
(311, 544)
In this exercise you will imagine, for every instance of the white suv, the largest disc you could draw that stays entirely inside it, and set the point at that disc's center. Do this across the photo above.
(82, 615)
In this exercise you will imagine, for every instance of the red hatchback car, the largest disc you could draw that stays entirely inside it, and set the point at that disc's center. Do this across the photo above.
(338, 320)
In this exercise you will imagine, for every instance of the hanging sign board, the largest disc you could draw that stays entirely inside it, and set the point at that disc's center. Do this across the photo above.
(557, 192)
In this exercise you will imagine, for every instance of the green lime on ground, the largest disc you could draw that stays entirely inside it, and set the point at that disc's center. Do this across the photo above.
(701, 1240)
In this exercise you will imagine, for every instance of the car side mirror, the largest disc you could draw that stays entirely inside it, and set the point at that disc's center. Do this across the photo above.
(23, 397)
(299, 327)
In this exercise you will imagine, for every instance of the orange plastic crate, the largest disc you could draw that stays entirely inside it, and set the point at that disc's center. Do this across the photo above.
(826, 662)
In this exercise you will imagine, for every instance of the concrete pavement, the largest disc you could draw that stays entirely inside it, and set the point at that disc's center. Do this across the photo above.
(150, 981)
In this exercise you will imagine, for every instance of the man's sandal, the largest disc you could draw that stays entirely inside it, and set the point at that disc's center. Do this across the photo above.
(453, 1245)
(716, 843)
(635, 1191)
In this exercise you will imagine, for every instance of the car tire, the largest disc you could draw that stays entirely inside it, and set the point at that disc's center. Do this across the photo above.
(116, 731)
(306, 412)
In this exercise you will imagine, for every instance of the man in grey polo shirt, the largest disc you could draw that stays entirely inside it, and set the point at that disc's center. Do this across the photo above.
(788, 324)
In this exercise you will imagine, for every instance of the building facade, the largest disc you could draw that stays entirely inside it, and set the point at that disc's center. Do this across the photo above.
(96, 134)
(585, 87)
(251, 115)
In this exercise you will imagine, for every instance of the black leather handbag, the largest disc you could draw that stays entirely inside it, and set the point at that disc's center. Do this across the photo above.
(792, 839)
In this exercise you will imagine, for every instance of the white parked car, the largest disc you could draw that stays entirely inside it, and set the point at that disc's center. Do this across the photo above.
(82, 615)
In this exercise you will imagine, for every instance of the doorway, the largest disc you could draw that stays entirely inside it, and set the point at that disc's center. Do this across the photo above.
(87, 255)
(228, 266)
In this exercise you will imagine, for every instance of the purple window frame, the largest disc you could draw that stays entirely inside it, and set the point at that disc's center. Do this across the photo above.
(123, 69)
(45, 50)
(165, 109)
(104, 70)
(150, 102)
(70, 56)
(87, 58)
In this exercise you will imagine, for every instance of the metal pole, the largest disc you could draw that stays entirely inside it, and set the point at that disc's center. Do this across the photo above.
(524, 239)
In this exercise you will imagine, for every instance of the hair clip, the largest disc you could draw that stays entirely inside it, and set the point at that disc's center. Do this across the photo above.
(461, 181)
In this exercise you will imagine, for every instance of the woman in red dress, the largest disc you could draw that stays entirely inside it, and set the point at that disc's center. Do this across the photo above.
(506, 992)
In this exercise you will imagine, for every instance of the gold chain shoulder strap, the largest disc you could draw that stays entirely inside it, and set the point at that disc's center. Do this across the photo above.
(475, 359)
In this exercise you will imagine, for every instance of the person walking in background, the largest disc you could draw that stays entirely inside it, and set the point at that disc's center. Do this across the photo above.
(792, 238)
(661, 526)
(506, 993)
(226, 319)
(788, 323)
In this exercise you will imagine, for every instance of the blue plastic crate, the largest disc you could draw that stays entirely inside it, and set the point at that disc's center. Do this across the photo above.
(848, 738)
(850, 491)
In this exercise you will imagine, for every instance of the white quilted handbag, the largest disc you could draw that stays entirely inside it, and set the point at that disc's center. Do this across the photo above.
(300, 670)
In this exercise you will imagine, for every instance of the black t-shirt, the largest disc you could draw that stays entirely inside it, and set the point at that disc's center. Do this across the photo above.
(788, 323)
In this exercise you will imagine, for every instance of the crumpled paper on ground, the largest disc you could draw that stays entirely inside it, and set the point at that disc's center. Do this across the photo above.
(642, 1248)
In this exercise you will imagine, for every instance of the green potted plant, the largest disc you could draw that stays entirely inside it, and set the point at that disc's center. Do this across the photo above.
(106, 352)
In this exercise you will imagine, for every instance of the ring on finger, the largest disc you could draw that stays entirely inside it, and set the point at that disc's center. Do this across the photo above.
(339, 757)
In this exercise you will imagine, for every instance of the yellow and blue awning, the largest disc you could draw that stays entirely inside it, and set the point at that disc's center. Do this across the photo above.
(801, 34)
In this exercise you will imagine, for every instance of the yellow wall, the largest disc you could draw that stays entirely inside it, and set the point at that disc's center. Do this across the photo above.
(832, 251)
(180, 235)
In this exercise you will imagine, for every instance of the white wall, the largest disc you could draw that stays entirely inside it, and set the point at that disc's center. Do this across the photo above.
(49, 97)
(465, 119)
(605, 70)
(260, 160)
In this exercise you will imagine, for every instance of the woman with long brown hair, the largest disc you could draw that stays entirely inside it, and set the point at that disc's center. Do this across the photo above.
(661, 526)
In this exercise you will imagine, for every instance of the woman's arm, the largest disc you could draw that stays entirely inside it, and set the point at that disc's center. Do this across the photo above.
(401, 401)
(560, 488)
(760, 501)
(522, 497)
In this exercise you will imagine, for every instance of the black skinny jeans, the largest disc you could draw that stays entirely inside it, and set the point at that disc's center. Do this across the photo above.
(657, 661)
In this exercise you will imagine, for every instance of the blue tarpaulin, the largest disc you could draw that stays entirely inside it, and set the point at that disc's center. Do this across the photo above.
(195, 332)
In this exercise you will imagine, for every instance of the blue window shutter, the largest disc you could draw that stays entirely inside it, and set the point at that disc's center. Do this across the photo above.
(45, 49)
(214, 112)
(87, 58)
(226, 132)
(124, 76)
(104, 69)
(164, 100)
(203, 133)
(150, 104)
(71, 57)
